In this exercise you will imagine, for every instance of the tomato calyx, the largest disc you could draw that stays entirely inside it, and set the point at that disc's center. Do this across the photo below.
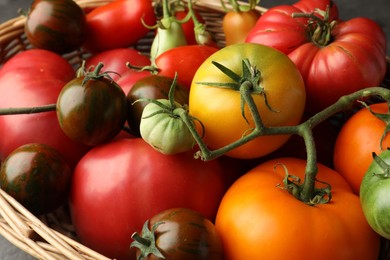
(95, 74)
(248, 83)
(294, 186)
(146, 242)
(385, 174)
(319, 29)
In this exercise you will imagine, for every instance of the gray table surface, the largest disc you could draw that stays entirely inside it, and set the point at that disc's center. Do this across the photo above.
(374, 9)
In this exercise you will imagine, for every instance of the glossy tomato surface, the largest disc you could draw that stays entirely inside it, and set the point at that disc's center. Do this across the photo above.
(374, 191)
(183, 60)
(35, 78)
(117, 186)
(56, 25)
(219, 108)
(37, 176)
(180, 233)
(359, 137)
(258, 219)
(91, 111)
(118, 24)
(237, 24)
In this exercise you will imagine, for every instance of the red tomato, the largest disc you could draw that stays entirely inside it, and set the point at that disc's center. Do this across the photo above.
(35, 78)
(258, 220)
(117, 186)
(348, 57)
(183, 60)
(115, 61)
(359, 137)
(118, 24)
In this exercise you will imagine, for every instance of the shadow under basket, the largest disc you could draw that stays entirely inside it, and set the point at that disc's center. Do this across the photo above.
(52, 236)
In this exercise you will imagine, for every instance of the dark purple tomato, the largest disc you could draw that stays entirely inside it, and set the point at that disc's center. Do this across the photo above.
(178, 233)
(37, 176)
(92, 109)
(151, 87)
(56, 25)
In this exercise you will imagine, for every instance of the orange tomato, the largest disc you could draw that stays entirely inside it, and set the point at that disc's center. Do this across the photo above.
(237, 24)
(258, 220)
(358, 138)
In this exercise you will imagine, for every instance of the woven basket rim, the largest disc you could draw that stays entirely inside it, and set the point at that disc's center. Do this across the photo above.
(26, 231)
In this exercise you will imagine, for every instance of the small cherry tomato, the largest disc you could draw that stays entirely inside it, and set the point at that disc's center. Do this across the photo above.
(237, 24)
(92, 109)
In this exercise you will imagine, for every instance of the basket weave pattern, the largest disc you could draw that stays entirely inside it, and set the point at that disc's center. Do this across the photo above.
(52, 236)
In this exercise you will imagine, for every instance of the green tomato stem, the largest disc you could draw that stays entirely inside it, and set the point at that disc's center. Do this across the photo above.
(27, 110)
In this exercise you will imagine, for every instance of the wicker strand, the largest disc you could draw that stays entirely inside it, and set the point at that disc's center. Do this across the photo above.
(40, 228)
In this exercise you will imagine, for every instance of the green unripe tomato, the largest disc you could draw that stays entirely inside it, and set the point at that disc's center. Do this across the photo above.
(375, 194)
(165, 132)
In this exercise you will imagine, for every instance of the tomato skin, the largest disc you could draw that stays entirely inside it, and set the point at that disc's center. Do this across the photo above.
(118, 24)
(93, 111)
(57, 25)
(37, 176)
(35, 83)
(115, 60)
(258, 220)
(358, 138)
(237, 25)
(358, 45)
(128, 170)
(374, 194)
(183, 60)
(185, 234)
(219, 109)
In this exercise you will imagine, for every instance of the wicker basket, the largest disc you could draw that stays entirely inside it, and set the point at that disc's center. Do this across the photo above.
(52, 236)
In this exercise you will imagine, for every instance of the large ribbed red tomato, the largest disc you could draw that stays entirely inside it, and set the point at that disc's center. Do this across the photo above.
(334, 57)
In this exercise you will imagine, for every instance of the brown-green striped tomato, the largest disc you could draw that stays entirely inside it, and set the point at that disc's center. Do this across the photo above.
(178, 233)
(37, 176)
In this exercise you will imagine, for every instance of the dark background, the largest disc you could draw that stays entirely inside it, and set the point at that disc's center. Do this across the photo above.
(377, 10)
